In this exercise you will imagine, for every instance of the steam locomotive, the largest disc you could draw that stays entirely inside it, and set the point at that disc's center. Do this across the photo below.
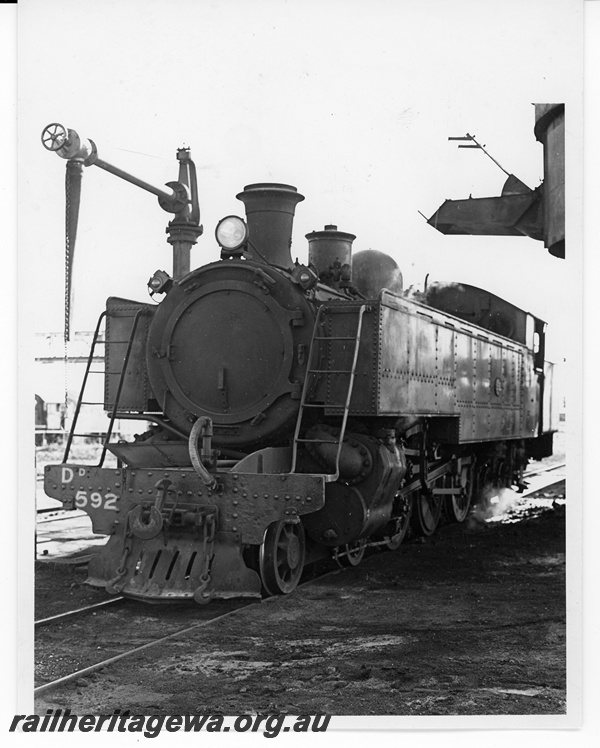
(297, 411)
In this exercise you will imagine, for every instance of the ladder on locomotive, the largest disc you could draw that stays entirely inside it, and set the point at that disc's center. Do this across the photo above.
(96, 340)
(313, 373)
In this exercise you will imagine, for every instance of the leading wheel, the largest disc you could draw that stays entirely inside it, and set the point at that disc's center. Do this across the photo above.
(281, 557)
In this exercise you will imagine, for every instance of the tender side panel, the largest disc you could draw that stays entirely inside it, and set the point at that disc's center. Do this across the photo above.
(432, 364)
(464, 355)
(420, 359)
(445, 382)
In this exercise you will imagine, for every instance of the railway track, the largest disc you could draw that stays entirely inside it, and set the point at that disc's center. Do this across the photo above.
(543, 477)
(209, 615)
(139, 624)
(212, 615)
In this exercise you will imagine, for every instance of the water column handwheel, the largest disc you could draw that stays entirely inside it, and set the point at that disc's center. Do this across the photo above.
(54, 136)
(281, 557)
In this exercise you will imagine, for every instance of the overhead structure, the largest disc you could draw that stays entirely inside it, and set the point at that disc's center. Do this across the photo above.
(519, 211)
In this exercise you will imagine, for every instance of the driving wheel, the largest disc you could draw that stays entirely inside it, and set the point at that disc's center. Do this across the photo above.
(458, 505)
(427, 509)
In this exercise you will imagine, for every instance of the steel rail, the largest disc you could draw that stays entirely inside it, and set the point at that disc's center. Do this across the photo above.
(78, 611)
(529, 491)
(545, 469)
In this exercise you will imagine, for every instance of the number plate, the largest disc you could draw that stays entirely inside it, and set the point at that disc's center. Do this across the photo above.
(95, 490)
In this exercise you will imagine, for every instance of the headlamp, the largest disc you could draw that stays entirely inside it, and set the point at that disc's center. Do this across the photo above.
(231, 232)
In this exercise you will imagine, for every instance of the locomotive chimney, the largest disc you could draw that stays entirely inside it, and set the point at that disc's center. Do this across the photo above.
(328, 246)
(270, 214)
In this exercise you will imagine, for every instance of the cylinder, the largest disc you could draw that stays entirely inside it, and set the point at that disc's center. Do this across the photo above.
(329, 246)
(270, 212)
